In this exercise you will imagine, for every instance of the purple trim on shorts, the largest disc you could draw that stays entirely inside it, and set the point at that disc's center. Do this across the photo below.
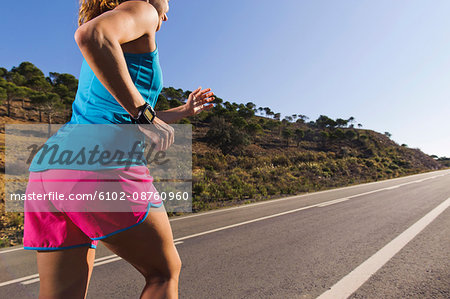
(126, 228)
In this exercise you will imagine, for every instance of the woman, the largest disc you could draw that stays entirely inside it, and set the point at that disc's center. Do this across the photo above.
(117, 40)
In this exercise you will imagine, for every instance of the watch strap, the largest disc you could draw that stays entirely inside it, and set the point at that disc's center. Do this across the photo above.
(146, 115)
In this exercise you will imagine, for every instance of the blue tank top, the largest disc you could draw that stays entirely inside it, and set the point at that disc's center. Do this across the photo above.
(94, 104)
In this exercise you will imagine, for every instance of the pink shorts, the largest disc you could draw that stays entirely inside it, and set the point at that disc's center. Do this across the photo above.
(63, 224)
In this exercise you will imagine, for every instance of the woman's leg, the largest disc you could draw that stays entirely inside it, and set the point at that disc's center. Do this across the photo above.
(65, 273)
(149, 247)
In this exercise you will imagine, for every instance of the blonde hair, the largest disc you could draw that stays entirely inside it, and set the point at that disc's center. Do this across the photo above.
(90, 9)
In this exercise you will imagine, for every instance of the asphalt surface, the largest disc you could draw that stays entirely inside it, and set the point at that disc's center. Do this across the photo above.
(296, 247)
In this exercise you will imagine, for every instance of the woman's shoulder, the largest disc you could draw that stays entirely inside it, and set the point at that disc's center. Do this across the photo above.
(127, 22)
(139, 8)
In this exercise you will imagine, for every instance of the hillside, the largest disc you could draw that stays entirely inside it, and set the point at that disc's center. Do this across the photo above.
(241, 153)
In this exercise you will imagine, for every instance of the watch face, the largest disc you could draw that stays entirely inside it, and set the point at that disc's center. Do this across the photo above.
(148, 114)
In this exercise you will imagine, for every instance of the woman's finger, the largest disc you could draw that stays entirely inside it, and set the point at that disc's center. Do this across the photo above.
(172, 135)
(204, 91)
(207, 107)
(207, 95)
(196, 92)
(204, 101)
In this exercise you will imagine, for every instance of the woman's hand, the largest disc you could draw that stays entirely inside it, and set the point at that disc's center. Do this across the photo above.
(197, 100)
(160, 133)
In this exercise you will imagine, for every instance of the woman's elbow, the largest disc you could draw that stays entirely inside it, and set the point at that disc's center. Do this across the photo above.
(81, 37)
(88, 37)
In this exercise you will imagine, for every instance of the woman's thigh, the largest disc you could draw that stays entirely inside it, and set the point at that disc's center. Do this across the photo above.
(65, 273)
(149, 247)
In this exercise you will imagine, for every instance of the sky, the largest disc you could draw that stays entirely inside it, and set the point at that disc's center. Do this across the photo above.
(384, 62)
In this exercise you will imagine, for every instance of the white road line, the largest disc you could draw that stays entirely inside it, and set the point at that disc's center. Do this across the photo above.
(11, 250)
(18, 280)
(107, 261)
(393, 187)
(105, 258)
(97, 262)
(355, 279)
(329, 203)
(31, 281)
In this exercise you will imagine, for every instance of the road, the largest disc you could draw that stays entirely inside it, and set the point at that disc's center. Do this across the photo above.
(388, 239)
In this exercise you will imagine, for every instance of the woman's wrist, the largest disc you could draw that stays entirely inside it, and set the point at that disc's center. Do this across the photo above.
(184, 111)
(135, 106)
(174, 114)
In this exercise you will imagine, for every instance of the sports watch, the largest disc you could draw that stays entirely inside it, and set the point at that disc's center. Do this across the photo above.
(146, 115)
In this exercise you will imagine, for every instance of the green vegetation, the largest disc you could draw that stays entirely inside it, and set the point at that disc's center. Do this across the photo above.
(241, 152)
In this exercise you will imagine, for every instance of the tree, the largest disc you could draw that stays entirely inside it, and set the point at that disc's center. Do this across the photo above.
(287, 134)
(299, 134)
(3, 94)
(388, 134)
(260, 110)
(225, 135)
(13, 92)
(337, 134)
(66, 79)
(162, 103)
(245, 112)
(351, 121)
(65, 85)
(301, 118)
(187, 93)
(341, 123)
(28, 70)
(231, 107)
(277, 116)
(325, 122)
(239, 122)
(3, 72)
(16, 78)
(217, 101)
(173, 94)
(253, 129)
(251, 106)
(360, 126)
(49, 102)
(268, 111)
(288, 118)
(324, 136)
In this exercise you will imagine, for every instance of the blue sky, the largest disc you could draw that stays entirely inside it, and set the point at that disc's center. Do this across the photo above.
(386, 63)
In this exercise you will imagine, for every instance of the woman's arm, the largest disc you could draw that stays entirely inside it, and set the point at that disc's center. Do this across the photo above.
(194, 105)
(172, 115)
(99, 41)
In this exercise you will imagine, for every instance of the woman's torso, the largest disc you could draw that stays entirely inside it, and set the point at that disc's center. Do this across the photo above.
(95, 105)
